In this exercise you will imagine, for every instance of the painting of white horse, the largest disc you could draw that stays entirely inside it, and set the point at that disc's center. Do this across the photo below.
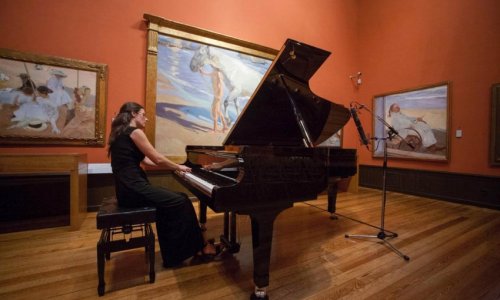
(240, 79)
(200, 91)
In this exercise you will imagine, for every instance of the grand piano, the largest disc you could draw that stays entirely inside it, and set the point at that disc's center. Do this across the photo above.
(271, 158)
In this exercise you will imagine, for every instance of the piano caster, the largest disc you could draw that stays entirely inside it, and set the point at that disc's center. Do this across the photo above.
(100, 289)
(259, 294)
(203, 227)
(333, 216)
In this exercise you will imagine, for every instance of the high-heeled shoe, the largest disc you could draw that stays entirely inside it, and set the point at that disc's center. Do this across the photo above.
(207, 257)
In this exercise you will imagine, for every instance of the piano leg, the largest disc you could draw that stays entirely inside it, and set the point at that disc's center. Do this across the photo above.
(226, 224)
(262, 238)
(332, 197)
(228, 238)
(203, 215)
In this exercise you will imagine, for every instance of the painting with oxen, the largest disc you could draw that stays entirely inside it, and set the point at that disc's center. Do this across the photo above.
(202, 82)
(49, 100)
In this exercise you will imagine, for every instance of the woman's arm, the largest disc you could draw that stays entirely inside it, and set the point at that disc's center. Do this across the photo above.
(149, 162)
(153, 157)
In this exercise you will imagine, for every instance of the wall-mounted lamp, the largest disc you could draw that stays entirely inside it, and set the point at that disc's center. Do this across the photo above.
(356, 79)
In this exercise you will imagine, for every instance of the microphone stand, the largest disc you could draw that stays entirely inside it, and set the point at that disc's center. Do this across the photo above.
(383, 233)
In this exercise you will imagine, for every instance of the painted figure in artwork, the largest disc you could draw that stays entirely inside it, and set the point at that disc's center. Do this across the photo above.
(218, 90)
(238, 78)
(409, 127)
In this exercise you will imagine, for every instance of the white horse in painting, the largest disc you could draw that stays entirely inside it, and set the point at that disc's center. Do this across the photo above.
(239, 78)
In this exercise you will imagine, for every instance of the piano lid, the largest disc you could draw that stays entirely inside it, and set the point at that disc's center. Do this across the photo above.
(282, 110)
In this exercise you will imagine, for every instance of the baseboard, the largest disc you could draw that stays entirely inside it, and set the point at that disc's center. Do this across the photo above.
(478, 190)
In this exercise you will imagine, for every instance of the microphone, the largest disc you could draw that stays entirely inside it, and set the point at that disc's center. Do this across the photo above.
(361, 132)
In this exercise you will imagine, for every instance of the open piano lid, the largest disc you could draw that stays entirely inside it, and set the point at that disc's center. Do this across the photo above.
(282, 110)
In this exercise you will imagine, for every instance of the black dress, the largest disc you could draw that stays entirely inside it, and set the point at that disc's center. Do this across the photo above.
(178, 231)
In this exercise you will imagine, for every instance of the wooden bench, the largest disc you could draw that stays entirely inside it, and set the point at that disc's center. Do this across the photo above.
(115, 221)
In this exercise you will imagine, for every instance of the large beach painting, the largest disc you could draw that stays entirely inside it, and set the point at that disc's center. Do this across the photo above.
(421, 118)
(50, 100)
(198, 84)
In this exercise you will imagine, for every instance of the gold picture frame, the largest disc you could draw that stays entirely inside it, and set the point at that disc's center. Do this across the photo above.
(421, 116)
(177, 115)
(48, 100)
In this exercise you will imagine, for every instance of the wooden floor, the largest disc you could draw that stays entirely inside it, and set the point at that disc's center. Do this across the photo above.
(454, 253)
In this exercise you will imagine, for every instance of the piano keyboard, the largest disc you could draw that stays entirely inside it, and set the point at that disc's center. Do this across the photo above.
(205, 186)
(207, 180)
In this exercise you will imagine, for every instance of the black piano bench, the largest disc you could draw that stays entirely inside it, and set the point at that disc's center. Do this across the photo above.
(118, 225)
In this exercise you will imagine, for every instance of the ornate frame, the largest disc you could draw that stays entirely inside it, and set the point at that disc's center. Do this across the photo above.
(158, 26)
(40, 68)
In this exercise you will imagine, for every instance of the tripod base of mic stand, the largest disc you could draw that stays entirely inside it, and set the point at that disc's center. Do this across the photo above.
(382, 236)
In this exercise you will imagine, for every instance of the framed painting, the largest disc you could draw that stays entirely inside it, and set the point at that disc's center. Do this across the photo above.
(420, 116)
(495, 126)
(197, 83)
(334, 141)
(47, 100)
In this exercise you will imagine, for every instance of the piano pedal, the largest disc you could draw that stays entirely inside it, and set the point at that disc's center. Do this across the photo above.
(230, 247)
(126, 229)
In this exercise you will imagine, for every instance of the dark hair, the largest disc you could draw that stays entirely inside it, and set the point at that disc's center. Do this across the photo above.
(44, 90)
(121, 121)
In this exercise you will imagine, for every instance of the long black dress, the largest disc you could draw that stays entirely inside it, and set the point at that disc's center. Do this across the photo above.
(178, 231)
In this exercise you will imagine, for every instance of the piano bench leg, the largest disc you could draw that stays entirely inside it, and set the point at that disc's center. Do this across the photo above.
(151, 252)
(101, 256)
(106, 245)
(107, 242)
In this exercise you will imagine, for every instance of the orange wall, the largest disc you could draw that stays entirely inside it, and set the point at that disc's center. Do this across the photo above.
(407, 44)
(396, 44)
(113, 32)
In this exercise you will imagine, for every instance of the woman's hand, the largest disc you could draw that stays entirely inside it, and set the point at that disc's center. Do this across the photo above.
(212, 166)
(183, 168)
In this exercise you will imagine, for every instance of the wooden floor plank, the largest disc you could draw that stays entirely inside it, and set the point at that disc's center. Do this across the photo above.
(454, 253)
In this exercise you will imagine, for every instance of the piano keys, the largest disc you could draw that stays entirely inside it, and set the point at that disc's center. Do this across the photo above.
(270, 157)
